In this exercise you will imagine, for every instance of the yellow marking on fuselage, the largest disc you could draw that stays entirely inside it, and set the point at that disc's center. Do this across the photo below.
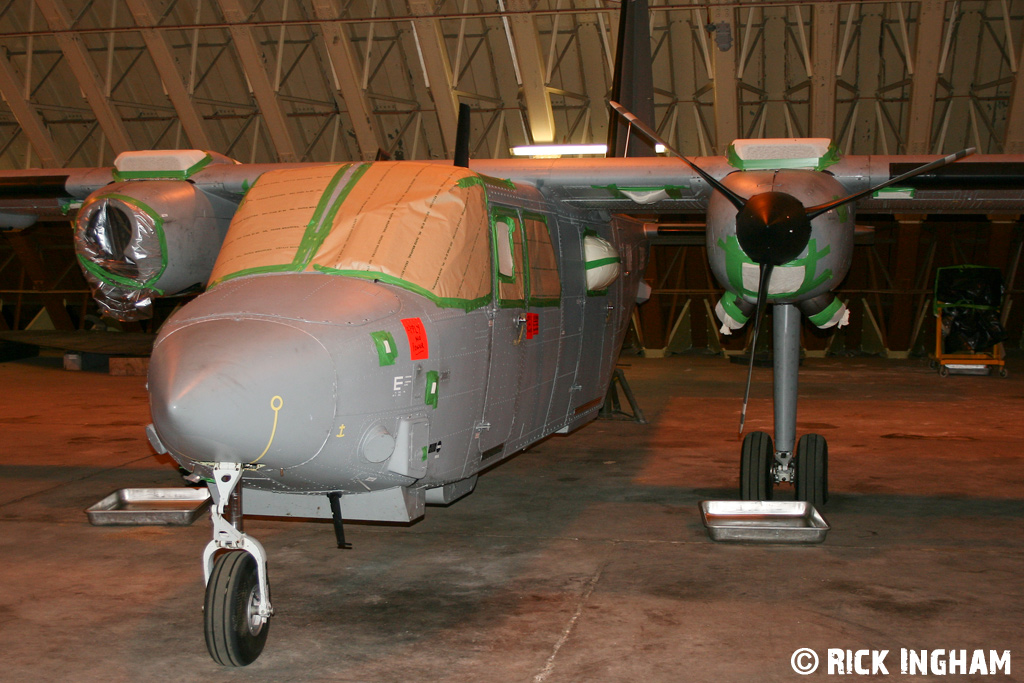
(341, 432)
(276, 404)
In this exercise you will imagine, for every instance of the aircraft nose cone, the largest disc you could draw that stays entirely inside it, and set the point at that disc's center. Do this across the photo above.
(772, 228)
(242, 391)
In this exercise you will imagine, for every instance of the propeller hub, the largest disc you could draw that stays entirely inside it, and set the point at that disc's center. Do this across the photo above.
(773, 228)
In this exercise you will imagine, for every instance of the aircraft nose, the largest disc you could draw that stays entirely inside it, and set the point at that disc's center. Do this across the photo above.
(242, 391)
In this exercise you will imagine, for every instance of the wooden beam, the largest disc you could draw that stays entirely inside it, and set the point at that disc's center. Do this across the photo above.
(251, 56)
(532, 71)
(30, 259)
(162, 54)
(823, 66)
(726, 86)
(930, 20)
(904, 274)
(339, 51)
(1015, 114)
(1000, 241)
(595, 83)
(431, 46)
(28, 118)
(84, 69)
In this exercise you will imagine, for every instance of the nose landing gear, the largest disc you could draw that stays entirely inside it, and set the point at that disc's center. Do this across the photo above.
(806, 466)
(237, 608)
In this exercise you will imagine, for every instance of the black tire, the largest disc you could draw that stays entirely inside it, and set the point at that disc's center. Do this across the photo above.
(1004, 373)
(233, 636)
(943, 371)
(756, 459)
(812, 469)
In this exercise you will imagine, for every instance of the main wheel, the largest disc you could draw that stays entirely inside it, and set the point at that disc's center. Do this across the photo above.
(756, 459)
(235, 633)
(812, 469)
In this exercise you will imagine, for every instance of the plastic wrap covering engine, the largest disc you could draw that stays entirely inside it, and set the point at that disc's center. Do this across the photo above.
(137, 240)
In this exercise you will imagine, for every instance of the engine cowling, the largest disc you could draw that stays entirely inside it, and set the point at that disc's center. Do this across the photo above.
(140, 239)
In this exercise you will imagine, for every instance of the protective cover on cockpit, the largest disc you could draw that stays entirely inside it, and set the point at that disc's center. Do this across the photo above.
(423, 227)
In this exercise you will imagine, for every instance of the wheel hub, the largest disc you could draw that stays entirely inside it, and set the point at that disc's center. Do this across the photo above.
(252, 613)
(783, 469)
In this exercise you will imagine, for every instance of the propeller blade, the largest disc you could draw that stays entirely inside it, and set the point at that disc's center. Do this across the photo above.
(815, 211)
(737, 201)
(762, 300)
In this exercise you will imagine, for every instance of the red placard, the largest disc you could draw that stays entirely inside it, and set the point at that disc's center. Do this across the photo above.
(532, 325)
(418, 347)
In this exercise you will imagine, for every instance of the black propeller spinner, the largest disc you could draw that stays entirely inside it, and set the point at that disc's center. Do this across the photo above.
(773, 228)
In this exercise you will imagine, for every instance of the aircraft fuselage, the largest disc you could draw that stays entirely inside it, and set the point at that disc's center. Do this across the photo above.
(318, 382)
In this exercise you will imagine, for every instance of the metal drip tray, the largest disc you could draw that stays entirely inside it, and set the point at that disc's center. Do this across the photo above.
(763, 521)
(142, 507)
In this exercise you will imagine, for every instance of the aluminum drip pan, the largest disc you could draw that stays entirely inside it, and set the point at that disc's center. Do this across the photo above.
(763, 521)
(142, 507)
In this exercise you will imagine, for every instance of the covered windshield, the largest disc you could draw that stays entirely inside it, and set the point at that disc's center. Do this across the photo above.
(423, 227)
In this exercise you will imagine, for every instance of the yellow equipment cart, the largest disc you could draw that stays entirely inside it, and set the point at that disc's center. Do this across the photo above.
(968, 333)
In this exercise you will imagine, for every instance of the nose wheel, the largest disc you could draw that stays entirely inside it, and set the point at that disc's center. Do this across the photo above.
(237, 608)
(235, 630)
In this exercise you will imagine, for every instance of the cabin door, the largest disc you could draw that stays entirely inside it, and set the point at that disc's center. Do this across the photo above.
(508, 332)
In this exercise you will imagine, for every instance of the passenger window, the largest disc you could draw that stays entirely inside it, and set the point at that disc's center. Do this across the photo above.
(508, 255)
(545, 287)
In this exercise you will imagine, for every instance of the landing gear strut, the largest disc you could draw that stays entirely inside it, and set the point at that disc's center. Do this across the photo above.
(237, 606)
(762, 465)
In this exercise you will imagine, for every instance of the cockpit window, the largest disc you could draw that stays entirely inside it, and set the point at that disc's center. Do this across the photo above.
(525, 264)
(507, 233)
(504, 234)
(418, 226)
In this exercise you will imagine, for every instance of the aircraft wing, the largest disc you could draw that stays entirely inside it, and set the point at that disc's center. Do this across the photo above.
(49, 194)
(980, 184)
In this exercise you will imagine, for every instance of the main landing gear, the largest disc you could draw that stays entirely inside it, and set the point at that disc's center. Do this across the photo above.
(762, 467)
(237, 609)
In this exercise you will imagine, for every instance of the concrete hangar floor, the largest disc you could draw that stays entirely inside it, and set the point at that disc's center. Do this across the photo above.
(582, 559)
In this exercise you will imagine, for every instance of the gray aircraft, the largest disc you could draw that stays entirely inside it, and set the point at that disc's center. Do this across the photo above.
(373, 335)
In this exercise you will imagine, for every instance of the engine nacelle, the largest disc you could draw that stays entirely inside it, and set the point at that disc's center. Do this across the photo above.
(144, 238)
